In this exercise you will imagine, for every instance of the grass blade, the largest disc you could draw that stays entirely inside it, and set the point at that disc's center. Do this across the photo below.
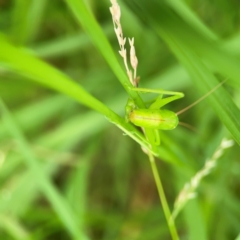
(58, 203)
(46, 75)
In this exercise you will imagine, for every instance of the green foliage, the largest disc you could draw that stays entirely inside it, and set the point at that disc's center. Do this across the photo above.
(67, 172)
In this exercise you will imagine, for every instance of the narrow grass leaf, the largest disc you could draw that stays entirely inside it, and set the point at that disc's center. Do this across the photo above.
(66, 45)
(46, 75)
(189, 16)
(58, 203)
(20, 21)
(14, 228)
(238, 237)
(34, 18)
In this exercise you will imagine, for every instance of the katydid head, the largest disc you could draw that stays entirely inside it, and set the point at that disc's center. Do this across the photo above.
(130, 106)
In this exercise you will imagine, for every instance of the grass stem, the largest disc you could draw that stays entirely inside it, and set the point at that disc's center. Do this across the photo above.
(163, 200)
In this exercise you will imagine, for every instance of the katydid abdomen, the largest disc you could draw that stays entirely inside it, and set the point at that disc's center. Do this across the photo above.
(156, 119)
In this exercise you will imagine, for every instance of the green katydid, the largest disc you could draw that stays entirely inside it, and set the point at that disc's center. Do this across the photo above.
(154, 117)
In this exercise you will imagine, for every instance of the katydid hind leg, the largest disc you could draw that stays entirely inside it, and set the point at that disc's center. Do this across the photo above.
(159, 91)
(160, 101)
(164, 101)
(157, 103)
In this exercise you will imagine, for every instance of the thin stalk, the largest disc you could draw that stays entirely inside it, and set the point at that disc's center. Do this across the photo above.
(163, 200)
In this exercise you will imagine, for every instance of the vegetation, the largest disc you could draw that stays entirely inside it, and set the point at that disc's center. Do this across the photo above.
(72, 167)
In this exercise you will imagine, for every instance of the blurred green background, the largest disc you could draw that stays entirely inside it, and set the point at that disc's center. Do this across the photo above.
(66, 172)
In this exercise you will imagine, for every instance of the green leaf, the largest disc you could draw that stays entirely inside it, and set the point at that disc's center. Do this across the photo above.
(46, 75)
(61, 207)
